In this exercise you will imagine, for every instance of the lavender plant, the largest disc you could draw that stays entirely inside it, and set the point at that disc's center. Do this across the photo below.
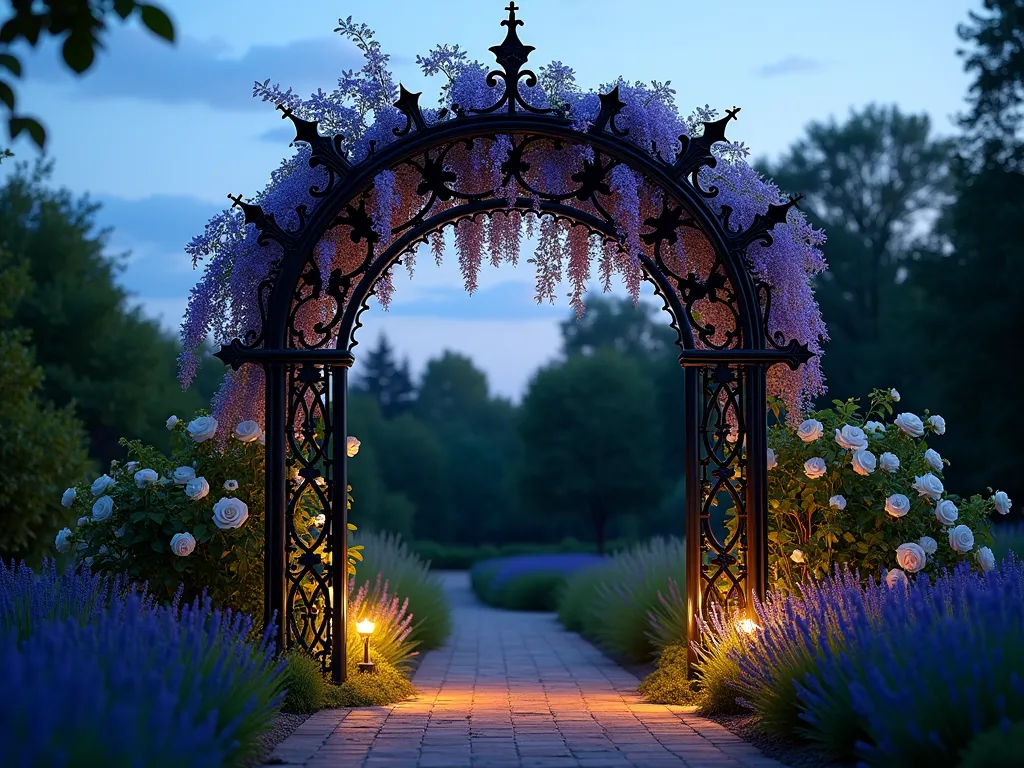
(361, 110)
(95, 675)
(849, 488)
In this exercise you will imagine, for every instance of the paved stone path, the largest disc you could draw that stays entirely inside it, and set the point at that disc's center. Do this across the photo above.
(515, 690)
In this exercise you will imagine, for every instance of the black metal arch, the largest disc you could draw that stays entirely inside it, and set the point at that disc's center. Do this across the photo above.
(306, 379)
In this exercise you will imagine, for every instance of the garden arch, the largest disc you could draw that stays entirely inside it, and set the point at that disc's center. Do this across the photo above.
(306, 372)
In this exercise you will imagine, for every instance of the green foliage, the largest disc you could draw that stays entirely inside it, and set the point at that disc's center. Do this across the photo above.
(81, 25)
(998, 747)
(669, 684)
(455, 557)
(578, 464)
(385, 380)
(43, 446)
(612, 603)
(537, 591)
(718, 674)
(304, 684)
(96, 350)
(409, 578)
(385, 685)
(809, 535)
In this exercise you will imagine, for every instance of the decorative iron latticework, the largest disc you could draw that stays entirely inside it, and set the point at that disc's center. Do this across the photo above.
(719, 310)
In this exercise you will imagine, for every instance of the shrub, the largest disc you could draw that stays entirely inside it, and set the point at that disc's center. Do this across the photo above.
(443, 557)
(392, 624)
(129, 682)
(303, 683)
(669, 684)
(613, 602)
(386, 685)
(998, 747)
(866, 507)
(44, 443)
(529, 581)
(193, 519)
(409, 578)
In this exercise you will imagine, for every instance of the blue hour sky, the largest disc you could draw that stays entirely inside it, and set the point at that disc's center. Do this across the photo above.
(160, 135)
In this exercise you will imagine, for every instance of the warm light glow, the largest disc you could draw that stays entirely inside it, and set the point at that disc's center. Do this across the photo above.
(747, 626)
(364, 627)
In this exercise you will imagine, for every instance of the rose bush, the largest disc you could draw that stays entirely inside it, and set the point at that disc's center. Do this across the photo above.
(851, 488)
(195, 517)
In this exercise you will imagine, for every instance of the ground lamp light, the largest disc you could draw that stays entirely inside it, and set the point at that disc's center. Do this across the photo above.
(365, 629)
(747, 626)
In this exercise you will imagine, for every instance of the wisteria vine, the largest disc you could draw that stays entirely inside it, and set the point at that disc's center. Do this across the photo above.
(361, 110)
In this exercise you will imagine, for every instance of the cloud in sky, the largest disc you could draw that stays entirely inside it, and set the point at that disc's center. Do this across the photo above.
(791, 65)
(136, 65)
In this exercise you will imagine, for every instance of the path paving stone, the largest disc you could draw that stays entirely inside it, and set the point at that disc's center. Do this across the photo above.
(515, 690)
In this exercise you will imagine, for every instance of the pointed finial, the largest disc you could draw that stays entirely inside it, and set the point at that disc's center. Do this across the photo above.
(512, 20)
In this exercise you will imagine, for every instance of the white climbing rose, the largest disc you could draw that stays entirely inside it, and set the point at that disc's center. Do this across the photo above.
(938, 424)
(230, 513)
(351, 446)
(61, 541)
(146, 477)
(182, 475)
(911, 557)
(895, 577)
(102, 508)
(101, 484)
(895, 395)
(946, 512)
(815, 468)
(183, 544)
(230, 485)
(810, 430)
(961, 538)
(773, 462)
(171, 422)
(851, 438)
(202, 428)
(1002, 502)
(890, 462)
(934, 460)
(929, 545)
(864, 462)
(928, 485)
(247, 431)
(910, 424)
(197, 488)
(798, 556)
(874, 427)
(838, 502)
(986, 559)
(897, 505)
(68, 498)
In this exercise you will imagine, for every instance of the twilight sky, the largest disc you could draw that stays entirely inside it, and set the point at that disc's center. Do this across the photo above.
(160, 135)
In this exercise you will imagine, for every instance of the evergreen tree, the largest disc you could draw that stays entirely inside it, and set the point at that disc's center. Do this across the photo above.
(386, 380)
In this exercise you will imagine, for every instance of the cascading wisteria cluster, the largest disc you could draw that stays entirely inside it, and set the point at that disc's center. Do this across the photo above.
(361, 110)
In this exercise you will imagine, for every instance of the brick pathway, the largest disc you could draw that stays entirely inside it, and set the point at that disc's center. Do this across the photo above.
(515, 690)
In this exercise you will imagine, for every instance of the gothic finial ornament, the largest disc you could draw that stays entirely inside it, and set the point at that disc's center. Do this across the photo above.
(511, 55)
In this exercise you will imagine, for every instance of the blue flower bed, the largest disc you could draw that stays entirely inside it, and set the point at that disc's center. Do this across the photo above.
(527, 582)
(95, 673)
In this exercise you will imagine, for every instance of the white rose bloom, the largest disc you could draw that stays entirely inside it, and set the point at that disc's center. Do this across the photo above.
(928, 485)
(928, 544)
(910, 424)
(229, 513)
(120, 532)
(896, 577)
(68, 498)
(230, 485)
(61, 541)
(874, 427)
(938, 424)
(146, 477)
(262, 439)
(351, 446)
(897, 505)
(82, 521)
(864, 462)
(911, 557)
(946, 512)
(986, 559)
(815, 468)
(1002, 502)
(103, 508)
(839, 502)
(797, 556)
(171, 422)
(101, 484)
(810, 430)
(894, 395)
(182, 475)
(934, 459)
(773, 462)
(248, 431)
(890, 462)
(202, 428)
(183, 544)
(961, 538)
(131, 466)
(851, 438)
(319, 520)
(197, 488)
